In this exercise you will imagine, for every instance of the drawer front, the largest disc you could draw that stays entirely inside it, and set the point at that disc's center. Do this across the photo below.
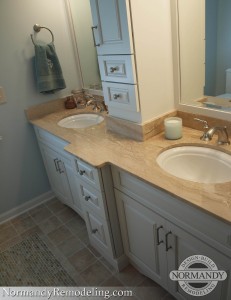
(50, 139)
(117, 68)
(92, 198)
(98, 231)
(121, 96)
(184, 215)
(88, 174)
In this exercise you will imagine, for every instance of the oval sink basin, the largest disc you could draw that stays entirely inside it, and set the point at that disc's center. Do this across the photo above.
(81, 121)
(198, 164)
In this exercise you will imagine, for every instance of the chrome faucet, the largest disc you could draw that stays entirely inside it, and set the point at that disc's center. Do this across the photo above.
(80, 101)
(98, 104)
(223, 137)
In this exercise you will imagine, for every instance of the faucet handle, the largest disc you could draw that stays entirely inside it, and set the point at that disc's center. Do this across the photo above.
(223, 136)
(204, 136)
(88, 95)
(206, 126)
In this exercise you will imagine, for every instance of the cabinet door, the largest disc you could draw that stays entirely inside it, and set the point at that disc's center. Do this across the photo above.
(183, 245)
(111, 26)
(56, 172)
(143, 233)
(73, 183)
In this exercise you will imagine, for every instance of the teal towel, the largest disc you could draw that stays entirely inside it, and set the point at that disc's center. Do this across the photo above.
(48, 72)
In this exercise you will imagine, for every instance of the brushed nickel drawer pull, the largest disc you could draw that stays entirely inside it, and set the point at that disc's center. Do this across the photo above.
(56, 166)
(158, 235)
(93, 33)
(167, 247)
(60, 169)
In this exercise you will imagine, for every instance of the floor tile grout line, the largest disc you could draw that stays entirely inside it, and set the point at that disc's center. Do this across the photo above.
(113, 275)
(53, 248)
(91, 264)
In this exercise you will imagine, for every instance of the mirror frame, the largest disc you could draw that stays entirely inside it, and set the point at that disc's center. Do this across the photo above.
(189, 108)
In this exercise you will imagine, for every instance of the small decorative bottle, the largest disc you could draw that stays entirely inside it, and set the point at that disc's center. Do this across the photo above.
(70, 102)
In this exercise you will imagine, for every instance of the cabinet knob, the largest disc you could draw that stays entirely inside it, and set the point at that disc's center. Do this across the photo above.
(116, 96)
(81, 172)
(113, 69)
(94, 230)
(87, 198)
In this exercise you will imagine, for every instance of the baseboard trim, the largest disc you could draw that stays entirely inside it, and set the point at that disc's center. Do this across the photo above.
(14, 212)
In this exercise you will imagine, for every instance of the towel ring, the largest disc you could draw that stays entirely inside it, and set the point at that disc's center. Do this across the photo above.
(37, 28)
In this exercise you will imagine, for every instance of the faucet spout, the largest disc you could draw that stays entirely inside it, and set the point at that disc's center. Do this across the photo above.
(223, 137)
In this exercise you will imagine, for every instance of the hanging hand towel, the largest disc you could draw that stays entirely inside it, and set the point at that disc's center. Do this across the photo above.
(48, 71)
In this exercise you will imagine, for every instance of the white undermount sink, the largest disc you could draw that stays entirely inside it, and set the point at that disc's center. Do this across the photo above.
(198, 164)
(81, 121)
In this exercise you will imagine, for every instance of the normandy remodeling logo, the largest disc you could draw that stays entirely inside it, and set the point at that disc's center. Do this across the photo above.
(198, 275)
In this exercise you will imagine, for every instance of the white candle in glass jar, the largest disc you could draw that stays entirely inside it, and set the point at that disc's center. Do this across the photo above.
(173, 128)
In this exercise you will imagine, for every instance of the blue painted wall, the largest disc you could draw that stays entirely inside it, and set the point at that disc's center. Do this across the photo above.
(22, 174)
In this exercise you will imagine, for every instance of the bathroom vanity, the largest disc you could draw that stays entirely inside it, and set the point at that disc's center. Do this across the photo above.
(135, 211)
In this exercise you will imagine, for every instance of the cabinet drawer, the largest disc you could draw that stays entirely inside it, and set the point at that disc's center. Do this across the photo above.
(117, 68)
(50, 139)
(98, 232)
(88, 173)
(122, 96)
(92, 198)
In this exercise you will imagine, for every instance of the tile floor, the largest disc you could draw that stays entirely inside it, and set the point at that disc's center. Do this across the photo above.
(65, 234)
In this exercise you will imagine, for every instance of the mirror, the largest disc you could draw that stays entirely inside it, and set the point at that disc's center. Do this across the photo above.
(204, 53)
(80, 20)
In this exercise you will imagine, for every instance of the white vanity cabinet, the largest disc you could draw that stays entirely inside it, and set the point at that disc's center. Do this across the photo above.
(89, 191)
(132, 46)
(96, 192)
(159, 232)
(59, 167)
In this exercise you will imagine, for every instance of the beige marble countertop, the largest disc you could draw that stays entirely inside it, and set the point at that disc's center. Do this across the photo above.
(98, 147)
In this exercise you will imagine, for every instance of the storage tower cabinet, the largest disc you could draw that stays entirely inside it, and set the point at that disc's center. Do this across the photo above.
(133, 43)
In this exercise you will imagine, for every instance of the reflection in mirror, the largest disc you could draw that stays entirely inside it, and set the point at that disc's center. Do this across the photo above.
(81, 23)
(204, 39)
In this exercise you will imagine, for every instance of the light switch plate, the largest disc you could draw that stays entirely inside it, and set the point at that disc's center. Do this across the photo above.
(2, 95)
